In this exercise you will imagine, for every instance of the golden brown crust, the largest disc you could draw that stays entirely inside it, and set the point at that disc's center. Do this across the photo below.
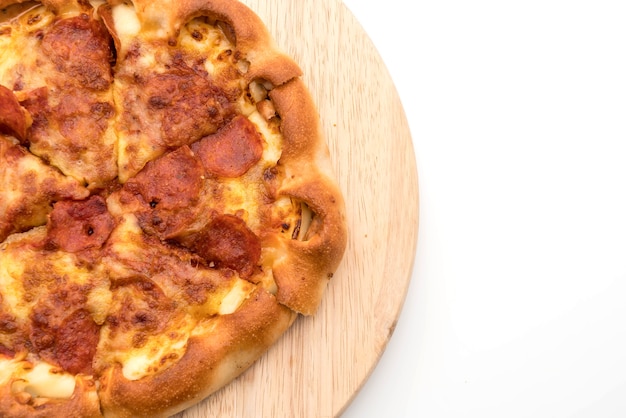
(234, 343)
(240, 24)
(302, 275)
(250, 36)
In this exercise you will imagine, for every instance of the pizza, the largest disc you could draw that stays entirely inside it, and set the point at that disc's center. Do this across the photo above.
(168, 206)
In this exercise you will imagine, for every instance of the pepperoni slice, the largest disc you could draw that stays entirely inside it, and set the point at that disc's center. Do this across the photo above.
(79, 225)
(81, 48)
(187, 104)
(7, 352)
(36, 102)
(166, 192)
(76, 342)
(70, 344)
(231, 151)
(229, 243)
(14, 120)
(63, 332)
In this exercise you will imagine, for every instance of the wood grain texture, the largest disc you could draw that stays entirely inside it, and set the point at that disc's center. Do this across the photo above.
(322, 361)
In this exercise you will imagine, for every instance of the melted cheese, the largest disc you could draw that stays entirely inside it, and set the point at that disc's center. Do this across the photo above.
(235, 297)
(7, 368)
(39, 380)
(46, 381)
(12, 295)
(198, 37)
(243, 194)
(98, 303)
(127, 23)
(30, 186)
(17, 44)
(159, 351)
(20, 263)
(157, 355)
(123, 240)
(24, 67)
(272, 148)
(11, 270)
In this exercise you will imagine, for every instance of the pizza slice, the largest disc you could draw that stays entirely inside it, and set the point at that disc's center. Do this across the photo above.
(59, 66)
(30, 188)
(165, 98)
(175, 317)
(52, 304)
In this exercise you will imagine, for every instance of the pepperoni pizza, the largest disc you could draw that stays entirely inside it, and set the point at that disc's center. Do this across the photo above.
(167, 206)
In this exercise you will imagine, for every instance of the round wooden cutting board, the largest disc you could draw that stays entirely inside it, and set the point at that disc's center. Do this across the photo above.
(319, 365)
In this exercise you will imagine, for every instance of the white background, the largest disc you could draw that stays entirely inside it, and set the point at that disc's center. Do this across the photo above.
(517, 304)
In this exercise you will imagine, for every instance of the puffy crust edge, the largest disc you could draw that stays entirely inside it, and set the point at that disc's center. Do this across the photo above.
(243, 27)
(210, 361)
(303, 273)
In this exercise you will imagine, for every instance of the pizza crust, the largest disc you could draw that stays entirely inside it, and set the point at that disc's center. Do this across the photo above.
(248, 34)
(231, 345)
(309, 264)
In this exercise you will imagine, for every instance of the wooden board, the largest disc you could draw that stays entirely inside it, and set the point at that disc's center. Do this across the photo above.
(321, 362)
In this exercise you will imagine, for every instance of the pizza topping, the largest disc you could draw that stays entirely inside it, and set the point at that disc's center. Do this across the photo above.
(73, 132)
(171, 93)
(142, 308)
(35, 101)
(165, 111)
(29, 189)
(38, 380)
(81, 119)
(61, 68)
(229, 243)
(6, 352)
(126, 23)
(235, 297)
(77, 338)
(62, 330)
(145, 330)
(81, 225)
(14, 120)
(188, 104)
(165, 194)
(232, 150)
(80, 48)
